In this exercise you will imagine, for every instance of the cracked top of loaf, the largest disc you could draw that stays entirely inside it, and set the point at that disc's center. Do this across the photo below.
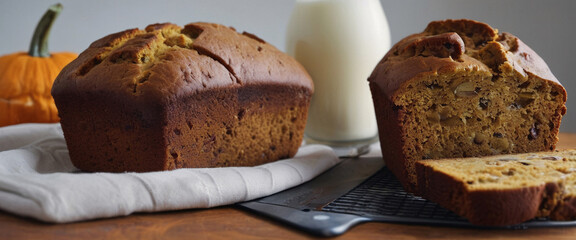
(165, 61)
(457, 45)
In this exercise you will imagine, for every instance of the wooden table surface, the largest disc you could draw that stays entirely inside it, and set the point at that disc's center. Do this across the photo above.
(233, 223)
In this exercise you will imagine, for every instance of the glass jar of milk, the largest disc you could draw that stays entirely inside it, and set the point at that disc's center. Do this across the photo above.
(339, 42)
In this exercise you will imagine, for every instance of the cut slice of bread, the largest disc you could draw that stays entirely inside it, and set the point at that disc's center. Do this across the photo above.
(504, 189)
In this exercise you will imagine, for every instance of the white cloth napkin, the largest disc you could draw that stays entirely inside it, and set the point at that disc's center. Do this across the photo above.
(38, 180)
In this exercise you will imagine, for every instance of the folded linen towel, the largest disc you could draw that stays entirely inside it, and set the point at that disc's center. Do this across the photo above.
(38, 180)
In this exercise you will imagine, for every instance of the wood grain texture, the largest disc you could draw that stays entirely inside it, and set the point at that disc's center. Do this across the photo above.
(231, 223)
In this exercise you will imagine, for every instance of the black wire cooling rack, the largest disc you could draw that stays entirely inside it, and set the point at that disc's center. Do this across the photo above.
(382, 195)
(350, 194)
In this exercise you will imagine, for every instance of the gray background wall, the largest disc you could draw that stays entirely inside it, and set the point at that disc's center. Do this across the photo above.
(548, 26)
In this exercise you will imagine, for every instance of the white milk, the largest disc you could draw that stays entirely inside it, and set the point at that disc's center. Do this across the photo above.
(339, 42)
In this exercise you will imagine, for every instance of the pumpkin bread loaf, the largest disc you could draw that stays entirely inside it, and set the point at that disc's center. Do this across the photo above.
(172, 97)
(505, 189)
(461, 89)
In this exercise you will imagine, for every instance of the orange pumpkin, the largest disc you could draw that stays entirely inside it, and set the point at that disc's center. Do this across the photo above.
(26, 78)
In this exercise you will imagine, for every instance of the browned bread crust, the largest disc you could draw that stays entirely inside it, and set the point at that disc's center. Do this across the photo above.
(170, 97)
(505, 189)
(461, 89)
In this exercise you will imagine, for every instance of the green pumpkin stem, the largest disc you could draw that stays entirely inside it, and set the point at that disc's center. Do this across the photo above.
(39, 44)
